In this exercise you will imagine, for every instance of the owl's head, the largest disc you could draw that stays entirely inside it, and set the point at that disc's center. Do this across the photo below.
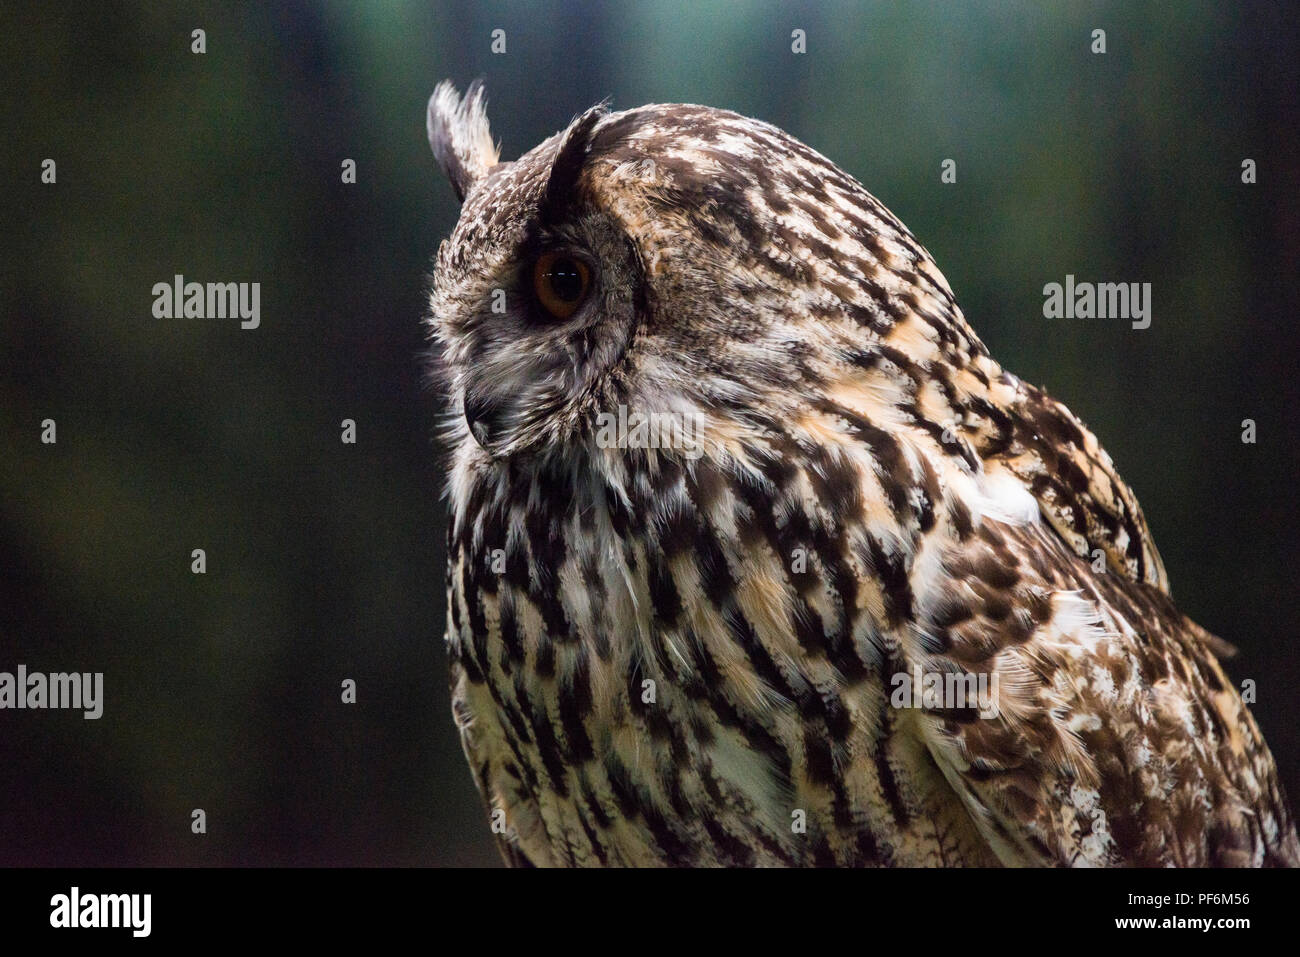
(670, 260)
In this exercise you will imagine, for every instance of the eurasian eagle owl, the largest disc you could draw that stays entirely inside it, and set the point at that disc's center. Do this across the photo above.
(728, 470)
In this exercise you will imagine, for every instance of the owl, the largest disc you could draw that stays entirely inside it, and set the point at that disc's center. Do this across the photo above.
(757, 557)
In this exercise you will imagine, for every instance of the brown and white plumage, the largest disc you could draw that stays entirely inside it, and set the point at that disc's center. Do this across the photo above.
(673, 656)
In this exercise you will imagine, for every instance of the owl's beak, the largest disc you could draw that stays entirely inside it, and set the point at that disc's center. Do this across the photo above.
(483, 416)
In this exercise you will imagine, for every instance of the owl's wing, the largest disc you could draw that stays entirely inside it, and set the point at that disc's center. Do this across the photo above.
(481, 751)
(948, 380)
(1115, 737)
(1025, 432)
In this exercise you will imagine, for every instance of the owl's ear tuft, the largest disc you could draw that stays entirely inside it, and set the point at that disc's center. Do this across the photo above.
(569, 159)
(459, 135)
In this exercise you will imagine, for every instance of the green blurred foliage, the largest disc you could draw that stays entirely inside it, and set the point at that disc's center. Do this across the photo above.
(325, 560)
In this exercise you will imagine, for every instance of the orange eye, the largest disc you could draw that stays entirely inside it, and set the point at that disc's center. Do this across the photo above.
(561, 283)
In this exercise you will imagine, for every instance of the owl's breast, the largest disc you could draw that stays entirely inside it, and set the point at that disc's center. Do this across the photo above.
(583, 700)
(669, 670)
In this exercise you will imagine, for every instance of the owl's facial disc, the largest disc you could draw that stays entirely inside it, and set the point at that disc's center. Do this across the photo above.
(535, 296)
(541, 340)
(530, 353)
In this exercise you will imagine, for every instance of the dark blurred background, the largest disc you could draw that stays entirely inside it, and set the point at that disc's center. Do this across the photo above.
(325, 560)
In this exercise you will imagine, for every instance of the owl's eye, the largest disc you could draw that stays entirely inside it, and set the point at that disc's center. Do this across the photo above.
(560, 282)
